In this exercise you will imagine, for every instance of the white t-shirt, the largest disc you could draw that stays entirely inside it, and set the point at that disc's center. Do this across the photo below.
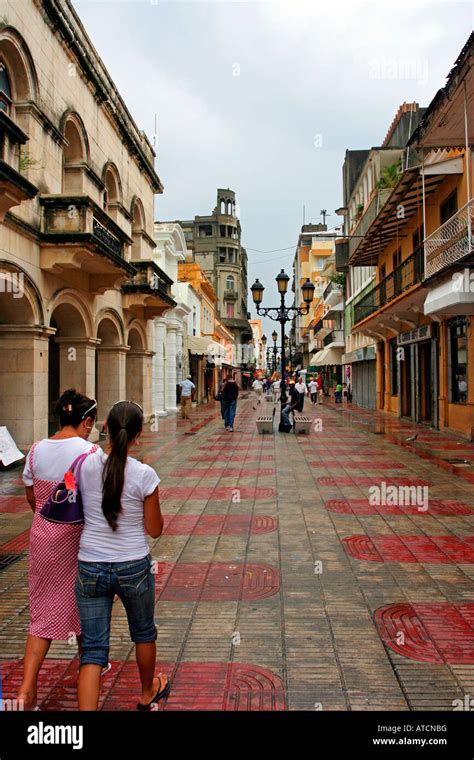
(53, 457)
(313, 386)
(187, 387)
(257, 385)
(277, 385)
(300, 387)
(99, 543)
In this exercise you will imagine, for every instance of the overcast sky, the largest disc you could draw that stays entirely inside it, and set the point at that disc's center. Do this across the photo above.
(265, 97)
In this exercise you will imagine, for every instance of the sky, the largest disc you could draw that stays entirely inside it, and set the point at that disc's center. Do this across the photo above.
(265, 98)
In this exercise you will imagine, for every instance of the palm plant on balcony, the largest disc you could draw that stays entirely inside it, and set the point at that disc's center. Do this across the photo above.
(390, 175)
(338, 279)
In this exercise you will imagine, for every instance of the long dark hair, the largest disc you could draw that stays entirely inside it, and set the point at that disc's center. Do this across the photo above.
(125, 421)
(73, 408)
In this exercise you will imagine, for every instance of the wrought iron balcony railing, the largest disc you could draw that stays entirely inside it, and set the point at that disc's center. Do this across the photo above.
(335, 336)
(451, 242)
(409, 273)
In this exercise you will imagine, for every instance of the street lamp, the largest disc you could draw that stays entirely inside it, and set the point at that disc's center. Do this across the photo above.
(274, 339)
(282, 314)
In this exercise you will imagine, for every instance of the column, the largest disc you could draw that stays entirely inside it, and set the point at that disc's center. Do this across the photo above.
(77, 364)
(171, 375)
(24, 382)
(158, 381)
(138, 376)
(111, 374)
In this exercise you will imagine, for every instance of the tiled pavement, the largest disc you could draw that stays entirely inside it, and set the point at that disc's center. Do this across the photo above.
(280, 584)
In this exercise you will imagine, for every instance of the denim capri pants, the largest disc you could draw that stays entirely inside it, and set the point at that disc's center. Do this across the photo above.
(97, 584)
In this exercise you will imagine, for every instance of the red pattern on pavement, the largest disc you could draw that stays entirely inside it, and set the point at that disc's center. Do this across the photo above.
(429, 549)
(215, 581)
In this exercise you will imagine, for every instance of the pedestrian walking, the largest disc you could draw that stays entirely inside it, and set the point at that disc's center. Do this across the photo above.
(320, 383)
(276, 390)
(338, 393)
(301, 388)
(121, 505)
(313, 389)
(257, 386)
(187, 393)
(230, 395)
(52, 562)
(220, 397)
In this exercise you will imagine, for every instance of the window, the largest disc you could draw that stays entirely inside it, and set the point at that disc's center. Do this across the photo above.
(5, 91)
(194, 320)
(418, 236)
(397, 274)
(230, 310)
(222, 230)
(448, 207)
(222, 255)
(231, 254)
(188, 235)
(457, 339)
(393, 367)
(205, 230)
(230, 283)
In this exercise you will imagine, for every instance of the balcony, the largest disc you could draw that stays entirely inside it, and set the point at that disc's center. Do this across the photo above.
(332, 293)
(231, 295)
(148, 293)
(319, 331)
(335, 339)
(404, 277)
(14, 187)
(78, 236)
(342, 255)
(367, 217)
(451, 242)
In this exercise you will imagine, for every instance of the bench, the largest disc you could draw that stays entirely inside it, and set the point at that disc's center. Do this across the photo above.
(265, 424)
(302, 424)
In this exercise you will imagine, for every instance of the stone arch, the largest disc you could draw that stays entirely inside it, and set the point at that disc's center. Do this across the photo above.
(71, 353)
(113, 184)
(110, 364)
(16, 56)
(136, 336)
(76, 152)
(20, 302)
(137, 213)
(67, 304)
(109, 328)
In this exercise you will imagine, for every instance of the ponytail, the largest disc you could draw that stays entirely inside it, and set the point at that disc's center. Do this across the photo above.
(124, 423)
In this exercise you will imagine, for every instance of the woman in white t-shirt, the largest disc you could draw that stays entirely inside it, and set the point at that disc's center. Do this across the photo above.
(52, 561)
(121, 504)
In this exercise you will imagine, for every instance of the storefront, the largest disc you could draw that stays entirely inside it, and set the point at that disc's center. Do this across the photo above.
(417, 369)
(360, 375)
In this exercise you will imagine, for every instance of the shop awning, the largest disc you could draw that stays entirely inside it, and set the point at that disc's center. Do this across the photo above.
(450, 298)
(203, 346)
(327, 357)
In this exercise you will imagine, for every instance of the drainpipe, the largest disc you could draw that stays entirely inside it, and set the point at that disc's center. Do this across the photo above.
(468, 170)
(424, 203)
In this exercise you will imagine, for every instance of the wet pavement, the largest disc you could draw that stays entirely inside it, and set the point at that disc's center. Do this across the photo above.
(325, 571)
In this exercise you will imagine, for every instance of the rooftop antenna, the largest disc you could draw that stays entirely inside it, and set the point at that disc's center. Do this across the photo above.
(324, 214)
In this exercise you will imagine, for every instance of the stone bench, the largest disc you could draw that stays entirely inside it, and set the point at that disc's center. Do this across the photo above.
(265, 424)
(302, 424)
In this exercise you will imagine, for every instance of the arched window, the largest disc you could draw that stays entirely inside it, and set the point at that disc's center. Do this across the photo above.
(5, 90)
(230, 282)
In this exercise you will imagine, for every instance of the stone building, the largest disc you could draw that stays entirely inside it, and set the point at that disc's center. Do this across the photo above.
(214, 242)
(79, 287)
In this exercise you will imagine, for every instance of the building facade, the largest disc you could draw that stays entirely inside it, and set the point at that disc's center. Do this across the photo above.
(80, 288)
(215, 243)
(419, 309)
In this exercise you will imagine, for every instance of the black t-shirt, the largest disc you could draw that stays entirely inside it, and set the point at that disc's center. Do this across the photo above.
(231, 391)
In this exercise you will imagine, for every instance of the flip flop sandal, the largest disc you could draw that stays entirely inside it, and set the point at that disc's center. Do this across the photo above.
(160, 694)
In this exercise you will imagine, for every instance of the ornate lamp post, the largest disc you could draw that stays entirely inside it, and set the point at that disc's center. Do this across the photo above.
(274, 339)
(263, 340)
(282, 314)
